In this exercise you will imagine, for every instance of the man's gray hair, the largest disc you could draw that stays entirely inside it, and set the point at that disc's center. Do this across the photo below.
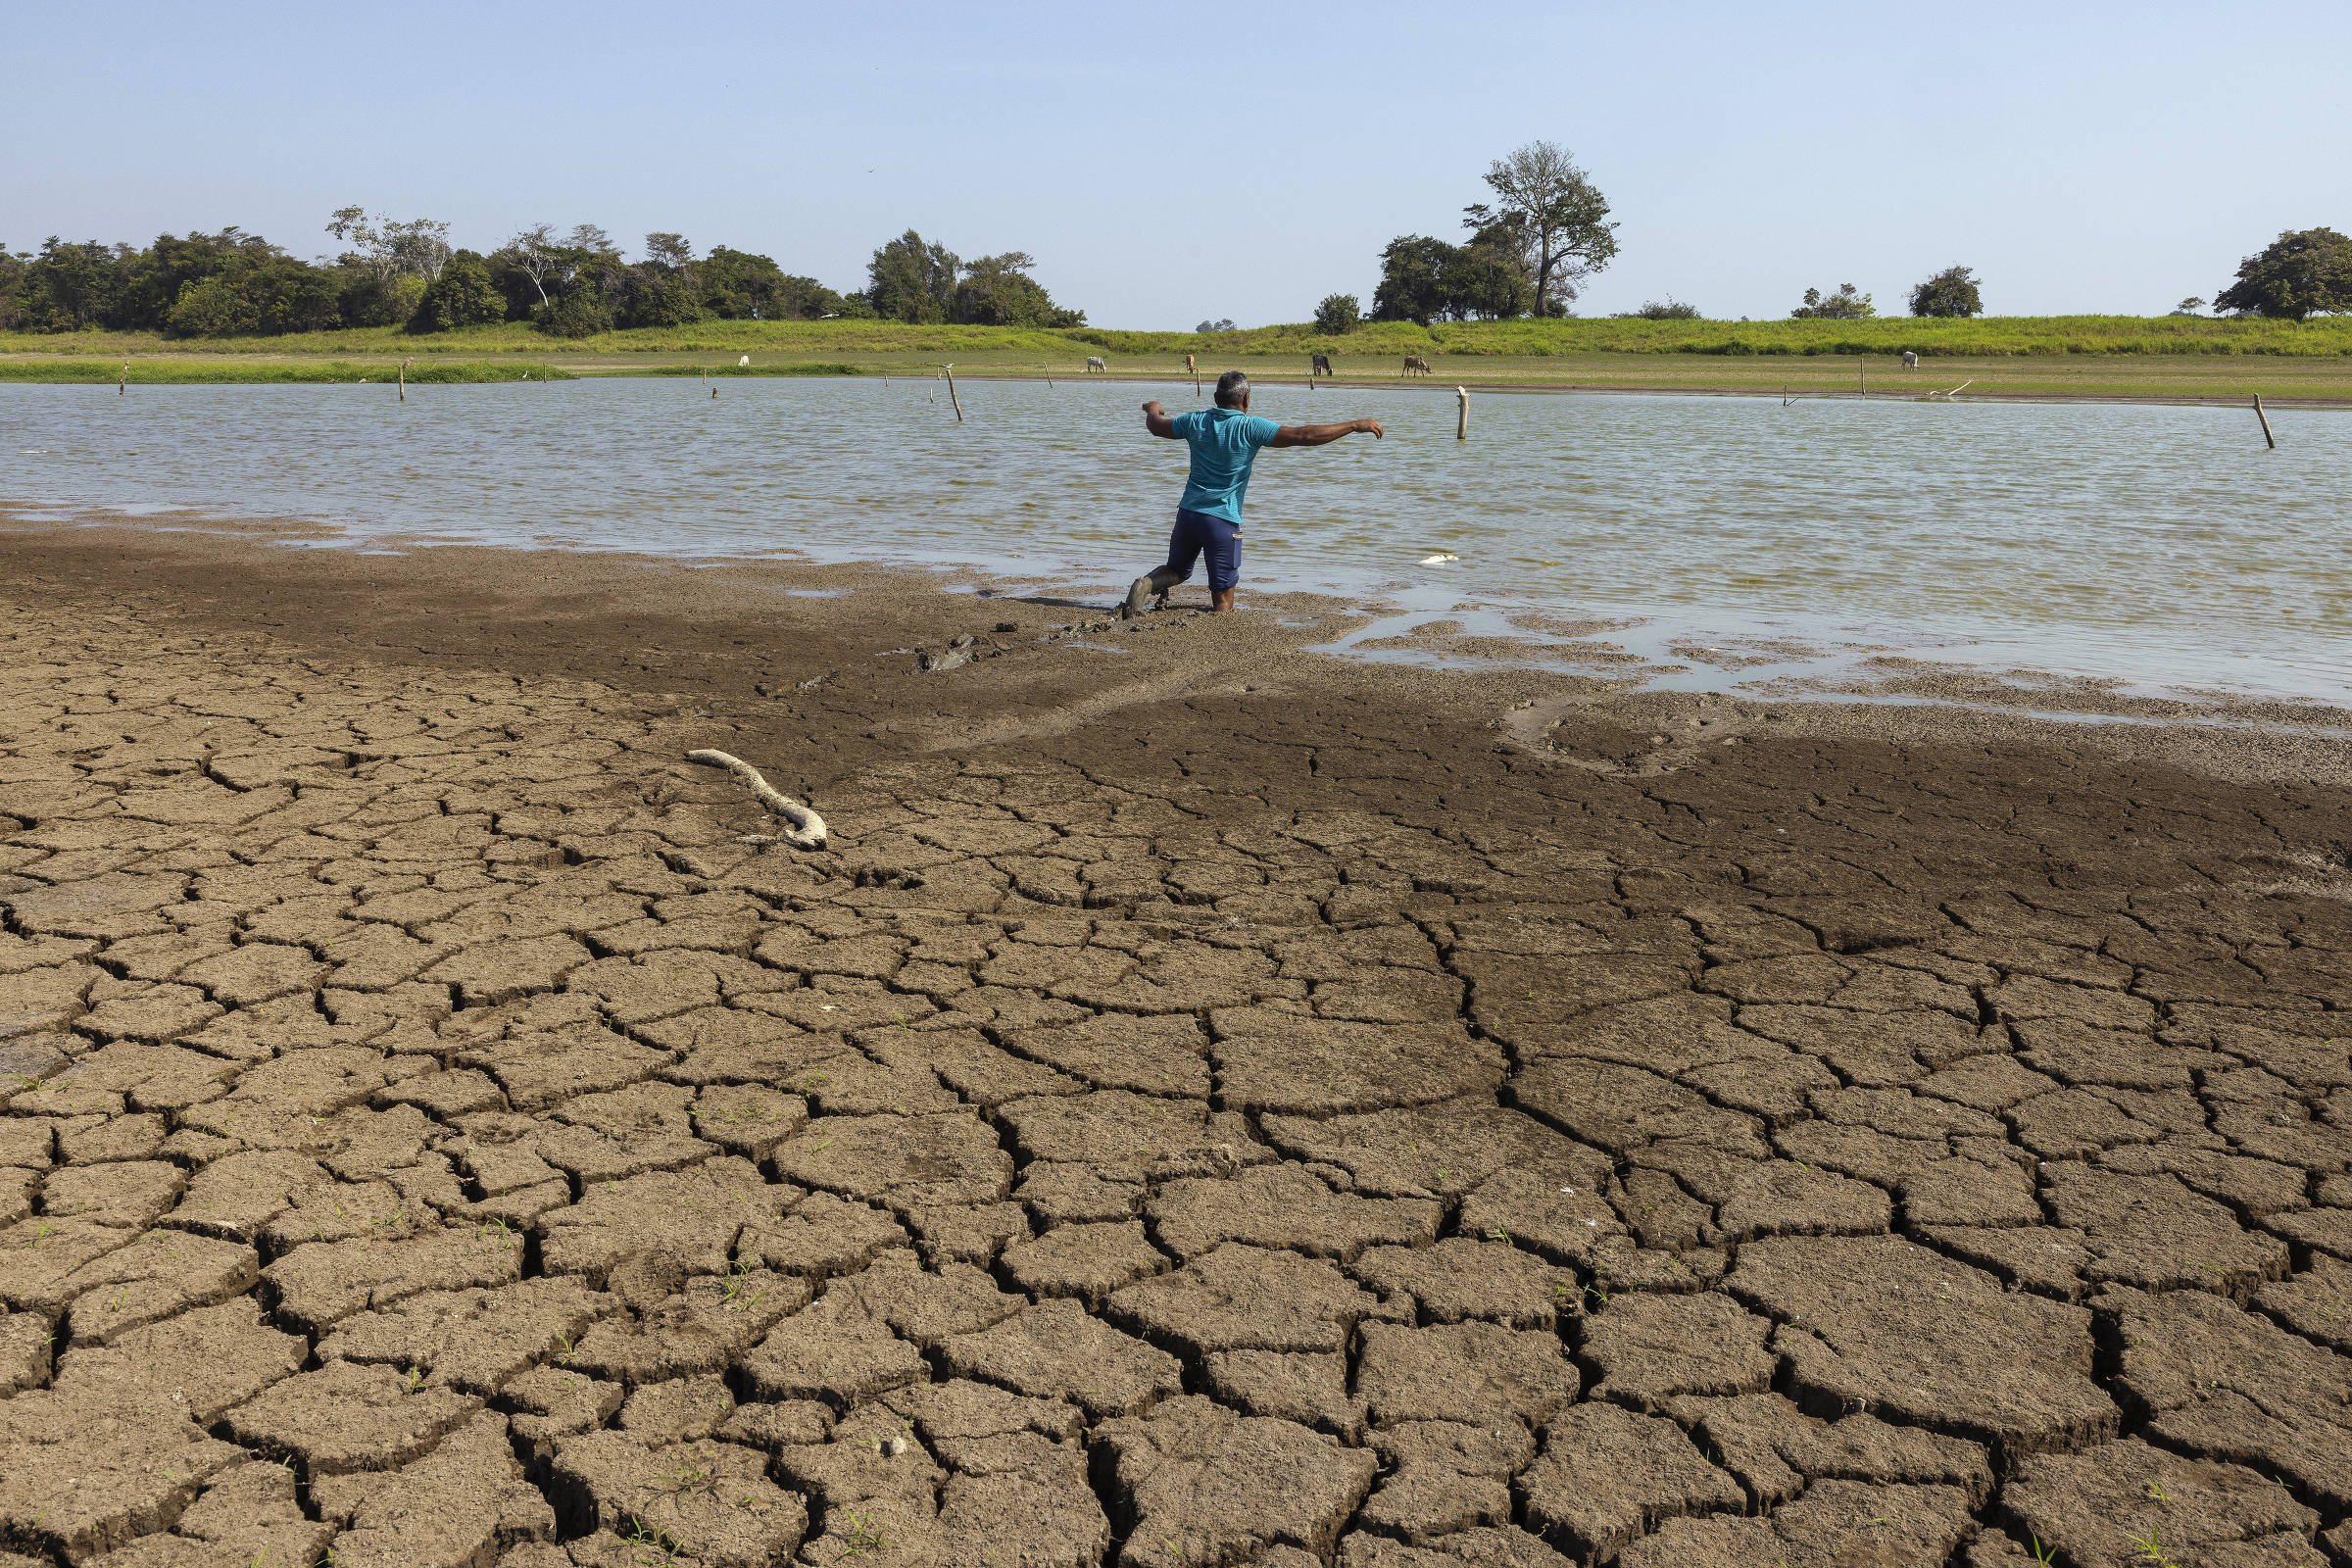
(1232, 387)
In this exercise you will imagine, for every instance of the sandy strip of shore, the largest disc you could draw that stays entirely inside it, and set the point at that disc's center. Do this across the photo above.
(1208, 1101)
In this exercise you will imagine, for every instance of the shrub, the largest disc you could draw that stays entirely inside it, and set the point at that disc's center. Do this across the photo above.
(1339, 312)
(577, 312)
(1673, 310)
(367, 301)
(464, 295)
(1951, 292)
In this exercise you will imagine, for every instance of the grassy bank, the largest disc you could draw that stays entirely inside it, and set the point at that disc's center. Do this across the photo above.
(2164, 357)
(215, 369)
(1983, 337)
(772, 368)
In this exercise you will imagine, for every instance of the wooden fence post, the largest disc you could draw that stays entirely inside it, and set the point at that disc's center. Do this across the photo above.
(124, 390)
(1461, 428)
(951, 396)
(2265, 422)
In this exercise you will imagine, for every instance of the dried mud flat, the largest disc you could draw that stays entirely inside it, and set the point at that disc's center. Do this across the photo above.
(1174, 1123)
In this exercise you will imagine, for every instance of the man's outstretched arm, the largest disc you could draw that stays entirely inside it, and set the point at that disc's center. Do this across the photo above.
(1157, 421)
(1316, 435)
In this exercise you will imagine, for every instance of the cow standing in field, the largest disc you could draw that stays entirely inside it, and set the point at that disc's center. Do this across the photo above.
(1188, 365)
(1321, 366)
(1094, 362)
(1413, 363)
(1910, 361)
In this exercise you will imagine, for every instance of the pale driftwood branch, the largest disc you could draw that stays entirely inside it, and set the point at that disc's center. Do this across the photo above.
(808, 828)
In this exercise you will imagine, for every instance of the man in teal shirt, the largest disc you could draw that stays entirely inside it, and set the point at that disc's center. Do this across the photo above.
(1225, 441)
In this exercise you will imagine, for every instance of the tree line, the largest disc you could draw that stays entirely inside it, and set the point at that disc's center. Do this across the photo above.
(405, 274)
(1546, 231)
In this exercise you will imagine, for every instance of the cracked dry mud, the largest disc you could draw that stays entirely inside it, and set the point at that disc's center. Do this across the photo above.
(1274, 1128)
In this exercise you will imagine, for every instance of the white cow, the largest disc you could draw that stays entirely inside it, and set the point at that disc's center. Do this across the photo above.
(1094, 362)
(1910, 361)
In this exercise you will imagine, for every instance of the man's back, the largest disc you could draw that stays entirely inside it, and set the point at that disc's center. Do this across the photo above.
(1225, 442)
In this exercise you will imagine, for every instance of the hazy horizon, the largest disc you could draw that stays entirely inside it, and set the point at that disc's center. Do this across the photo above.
(2084, 163)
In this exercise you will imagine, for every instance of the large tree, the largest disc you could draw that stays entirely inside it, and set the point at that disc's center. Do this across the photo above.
(2297, 275)
(739, 285)
(1424, 280)
(1951, 292)
(998, 291)
(1413, 280)
(416, 247)
(911, 279)
(1552, 214)
(538, 256)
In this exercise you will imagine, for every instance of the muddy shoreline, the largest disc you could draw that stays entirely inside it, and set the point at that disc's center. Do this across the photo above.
(1210, 1103)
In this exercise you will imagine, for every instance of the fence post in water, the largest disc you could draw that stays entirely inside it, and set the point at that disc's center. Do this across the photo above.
(124, 390)
(951, 396)
(1862, 370)
(404, 380)
(2265, 422)
(1461, 428)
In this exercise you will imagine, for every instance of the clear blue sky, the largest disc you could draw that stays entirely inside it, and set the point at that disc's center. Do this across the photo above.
(1167, 162)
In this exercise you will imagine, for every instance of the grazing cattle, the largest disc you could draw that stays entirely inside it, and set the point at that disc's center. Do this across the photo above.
(1321, 366)
(1094, 362)
(1414, 362)
(1910, 361)
(1188, 365)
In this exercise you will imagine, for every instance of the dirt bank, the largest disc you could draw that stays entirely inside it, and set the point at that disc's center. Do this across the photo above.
(1209, 1104)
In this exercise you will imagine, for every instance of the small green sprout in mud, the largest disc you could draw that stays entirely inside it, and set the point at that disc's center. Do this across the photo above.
(2151, 1550)
(2041, 1553)
(1601, 1298)
(688, 1478)
(655, 1548)
(737, 1276)
(416, 1379)
(564, 1349)
(860, 1535)
(2156, 1495)
(496, 1234)
(1500, 1235)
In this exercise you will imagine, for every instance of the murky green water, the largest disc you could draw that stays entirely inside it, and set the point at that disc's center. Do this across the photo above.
(2162, 546)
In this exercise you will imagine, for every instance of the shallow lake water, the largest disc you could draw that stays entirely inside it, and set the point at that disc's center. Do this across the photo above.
(1742, 539)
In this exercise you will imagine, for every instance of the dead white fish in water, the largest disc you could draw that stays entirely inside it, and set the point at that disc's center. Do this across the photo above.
(1437, 560)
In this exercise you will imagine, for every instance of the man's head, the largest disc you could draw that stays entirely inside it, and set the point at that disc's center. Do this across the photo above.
(1233, 390)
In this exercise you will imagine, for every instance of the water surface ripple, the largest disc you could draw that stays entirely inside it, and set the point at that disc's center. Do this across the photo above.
(2161, 546)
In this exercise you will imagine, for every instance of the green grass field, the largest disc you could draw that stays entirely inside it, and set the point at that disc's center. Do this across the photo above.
(215, 370)
(2163, 358)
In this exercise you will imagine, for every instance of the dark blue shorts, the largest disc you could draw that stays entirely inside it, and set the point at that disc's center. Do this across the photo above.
(1198, 531)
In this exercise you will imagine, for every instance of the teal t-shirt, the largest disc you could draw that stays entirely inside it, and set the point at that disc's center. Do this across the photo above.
(1224, 443)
